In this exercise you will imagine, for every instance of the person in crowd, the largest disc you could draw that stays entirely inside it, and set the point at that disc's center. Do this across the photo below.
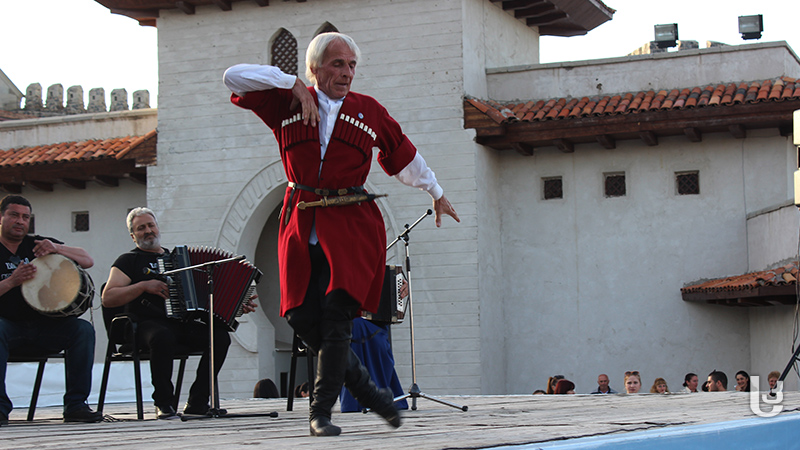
(717, 381)
(773, 379)
(633, 382)
(564, 387)
(332, 254)
(265, 388)
(142, 295)
(23, 327)
(301, 390)
(602, 385)
(538, 392)
(690, 382)
(551, 383)
(659, 386)
(742, 381)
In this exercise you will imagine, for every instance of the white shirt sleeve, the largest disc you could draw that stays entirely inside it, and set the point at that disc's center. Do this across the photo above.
(244, 78)
(417, 174)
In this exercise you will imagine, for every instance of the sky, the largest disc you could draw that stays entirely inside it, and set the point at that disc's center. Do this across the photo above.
(79, 42)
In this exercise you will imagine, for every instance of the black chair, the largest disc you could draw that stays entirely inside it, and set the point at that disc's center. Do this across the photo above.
(122, 346)
(300, 350)
(26, 355)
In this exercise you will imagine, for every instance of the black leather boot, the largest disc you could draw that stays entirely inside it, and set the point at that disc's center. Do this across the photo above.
(360, 384)
(332, 361)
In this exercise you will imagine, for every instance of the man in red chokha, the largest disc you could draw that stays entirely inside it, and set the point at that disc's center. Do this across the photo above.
(332, 259)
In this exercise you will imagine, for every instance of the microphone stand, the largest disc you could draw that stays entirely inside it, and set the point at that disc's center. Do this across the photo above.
(214, 411)
(414, 392)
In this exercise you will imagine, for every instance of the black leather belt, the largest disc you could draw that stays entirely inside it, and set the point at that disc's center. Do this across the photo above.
(319, 191)
(328, 192)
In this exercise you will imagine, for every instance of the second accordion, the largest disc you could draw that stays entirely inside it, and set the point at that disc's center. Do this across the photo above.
(234, 284)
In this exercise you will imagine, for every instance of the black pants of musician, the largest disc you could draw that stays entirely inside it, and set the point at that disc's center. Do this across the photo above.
(163, 338)
(325, 324)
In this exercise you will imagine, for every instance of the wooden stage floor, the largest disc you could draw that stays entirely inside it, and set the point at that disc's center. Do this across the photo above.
(491, 421)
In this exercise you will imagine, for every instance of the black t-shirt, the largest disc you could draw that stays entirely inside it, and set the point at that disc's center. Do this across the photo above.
(12, 305)
(133, 264)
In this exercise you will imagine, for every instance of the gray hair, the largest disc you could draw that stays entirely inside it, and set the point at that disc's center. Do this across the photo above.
(317, 47)
(136, 212)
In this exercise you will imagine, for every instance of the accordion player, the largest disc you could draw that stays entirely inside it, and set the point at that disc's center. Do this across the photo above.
(234, 284)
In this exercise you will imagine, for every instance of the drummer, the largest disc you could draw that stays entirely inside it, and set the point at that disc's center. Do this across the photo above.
(22, 328)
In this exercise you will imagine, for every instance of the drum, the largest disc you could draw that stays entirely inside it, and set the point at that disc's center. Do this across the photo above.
(60, 288)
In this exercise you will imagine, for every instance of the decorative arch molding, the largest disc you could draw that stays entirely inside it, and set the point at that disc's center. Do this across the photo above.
(244, 221)
(326, 27)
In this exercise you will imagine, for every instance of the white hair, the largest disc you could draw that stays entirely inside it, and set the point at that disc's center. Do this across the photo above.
(136, 212)
(317, 47)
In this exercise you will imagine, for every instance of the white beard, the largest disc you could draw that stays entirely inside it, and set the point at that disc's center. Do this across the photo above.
(151, 243)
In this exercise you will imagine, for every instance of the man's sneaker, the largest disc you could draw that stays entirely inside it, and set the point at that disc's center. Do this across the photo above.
(84, 415)
(166, 412)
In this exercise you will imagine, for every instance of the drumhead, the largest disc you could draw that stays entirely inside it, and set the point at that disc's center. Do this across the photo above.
(55, 286)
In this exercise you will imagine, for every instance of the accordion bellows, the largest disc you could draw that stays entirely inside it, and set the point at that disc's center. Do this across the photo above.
(234, 284)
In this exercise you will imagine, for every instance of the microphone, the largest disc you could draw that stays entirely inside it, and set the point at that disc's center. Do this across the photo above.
(158, 275)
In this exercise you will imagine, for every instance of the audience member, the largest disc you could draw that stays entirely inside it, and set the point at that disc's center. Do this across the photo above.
(602, 385)
(265, 389)
(633, 382)
(717, 381)
(773, 379)
(742, 381)
(551, 383)
(659, 386)
(301, 390)
(538, 392)
(690, 383)
(705, 386)
(564, 387)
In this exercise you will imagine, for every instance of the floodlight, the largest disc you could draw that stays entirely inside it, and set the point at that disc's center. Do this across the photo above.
(666, 35)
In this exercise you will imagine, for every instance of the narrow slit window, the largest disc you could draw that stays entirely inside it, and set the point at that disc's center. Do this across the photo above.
(284, 52)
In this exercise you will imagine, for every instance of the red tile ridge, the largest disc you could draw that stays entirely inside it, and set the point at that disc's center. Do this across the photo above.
(481, 106)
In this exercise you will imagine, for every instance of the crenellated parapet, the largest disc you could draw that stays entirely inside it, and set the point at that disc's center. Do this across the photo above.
(54, 102)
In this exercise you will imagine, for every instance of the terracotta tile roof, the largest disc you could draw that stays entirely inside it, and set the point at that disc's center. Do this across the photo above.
(708, 96)
(114, 148)
(102, 161)
(764, 287)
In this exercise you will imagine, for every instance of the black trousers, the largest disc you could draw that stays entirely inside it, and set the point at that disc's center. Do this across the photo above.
(162, 337)
(311, 320)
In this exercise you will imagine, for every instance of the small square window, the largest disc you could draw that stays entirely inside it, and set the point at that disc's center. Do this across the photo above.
(80, 221)
(552, 188)
(687, 183)
(615, 185)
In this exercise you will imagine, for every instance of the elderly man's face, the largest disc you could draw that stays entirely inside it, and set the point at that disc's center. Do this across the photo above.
(337, 70)
(602, 381)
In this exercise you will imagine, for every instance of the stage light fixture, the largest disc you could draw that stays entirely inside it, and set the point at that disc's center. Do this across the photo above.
(751, 26)
(666, 35)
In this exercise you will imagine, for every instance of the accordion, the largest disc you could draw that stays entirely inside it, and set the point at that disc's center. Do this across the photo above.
(234, 283)
(392, 307)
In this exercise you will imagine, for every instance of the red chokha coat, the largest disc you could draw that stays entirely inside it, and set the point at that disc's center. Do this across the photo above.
(353, 237)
